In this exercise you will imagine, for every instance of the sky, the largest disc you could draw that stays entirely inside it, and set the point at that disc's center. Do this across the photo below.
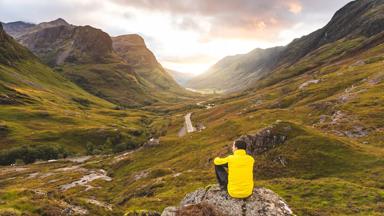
(186, 35)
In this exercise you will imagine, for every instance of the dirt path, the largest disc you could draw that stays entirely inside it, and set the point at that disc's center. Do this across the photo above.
(188, 123)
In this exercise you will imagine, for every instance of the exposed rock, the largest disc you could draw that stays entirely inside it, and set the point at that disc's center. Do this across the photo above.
(265, 140)
(99, 174)
(337, 117)
(169, 211)
(263, 202)
(152, 142)
(80, 159)
(357, 131)
(142, 213)
(358, 63)
(133, 50)
(308, 83)
(99, 203)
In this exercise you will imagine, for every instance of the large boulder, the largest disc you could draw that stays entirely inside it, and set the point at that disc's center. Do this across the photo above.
(267, 138)
(263, 202)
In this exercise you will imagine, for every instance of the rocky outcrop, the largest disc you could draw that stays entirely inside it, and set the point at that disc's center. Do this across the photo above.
(263, 202)
(266, 139)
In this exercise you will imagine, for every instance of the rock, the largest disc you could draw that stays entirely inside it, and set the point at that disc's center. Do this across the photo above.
(356, 132)
(308, 83)
(263, 202)
(265, 139)
(152, 142)
(142, 213)
(358, 63)
(169, 211)
(4, 129)
(323, 118)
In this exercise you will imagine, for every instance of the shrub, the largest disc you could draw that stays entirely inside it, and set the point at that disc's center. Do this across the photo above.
(29, 154)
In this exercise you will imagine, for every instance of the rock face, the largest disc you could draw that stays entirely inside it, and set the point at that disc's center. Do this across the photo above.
(58, 42)
(133, 50)
(265, 140)
(263, 202)
(17, 28)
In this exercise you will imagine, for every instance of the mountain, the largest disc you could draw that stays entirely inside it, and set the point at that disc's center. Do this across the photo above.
(180, 77)
(46, 116)
(121, 70)
(357, 19)
(17, 28)
(132, 49)
(10, 50)
(233, 73)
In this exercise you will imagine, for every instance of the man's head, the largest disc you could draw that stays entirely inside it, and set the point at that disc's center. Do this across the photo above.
(239, 144)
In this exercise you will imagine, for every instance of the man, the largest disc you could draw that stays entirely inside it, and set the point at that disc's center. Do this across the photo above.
(239, 178)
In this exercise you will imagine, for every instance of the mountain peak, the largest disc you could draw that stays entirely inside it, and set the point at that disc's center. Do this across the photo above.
(54, 23)
(131, 39)
(2, 32)
(60, 21)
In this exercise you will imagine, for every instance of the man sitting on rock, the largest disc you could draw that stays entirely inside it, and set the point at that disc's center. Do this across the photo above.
(239, 178)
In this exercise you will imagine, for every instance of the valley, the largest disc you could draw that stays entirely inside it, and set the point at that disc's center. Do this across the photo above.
(81, 135)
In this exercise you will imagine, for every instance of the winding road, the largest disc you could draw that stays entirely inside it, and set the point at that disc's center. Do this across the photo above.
(188, 123)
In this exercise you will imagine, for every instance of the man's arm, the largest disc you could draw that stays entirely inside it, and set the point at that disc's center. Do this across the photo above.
(221, 161)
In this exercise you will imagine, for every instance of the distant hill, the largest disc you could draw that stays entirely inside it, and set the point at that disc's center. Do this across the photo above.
(234, 73)
(180, 77)
(363, 18)
(121, 70)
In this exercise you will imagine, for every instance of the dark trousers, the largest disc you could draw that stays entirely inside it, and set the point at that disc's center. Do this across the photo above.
(222, 175)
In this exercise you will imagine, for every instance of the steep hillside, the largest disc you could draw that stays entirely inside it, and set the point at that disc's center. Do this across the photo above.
(358, 19)
(180, 77)
(122, 71)
(41, 111)
(233, 73)
(132, 49)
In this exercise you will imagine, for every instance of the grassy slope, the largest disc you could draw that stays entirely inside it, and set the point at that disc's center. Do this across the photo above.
(55, 111)
(327, 172)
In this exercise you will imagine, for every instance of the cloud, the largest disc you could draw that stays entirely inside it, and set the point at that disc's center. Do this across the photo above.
(186, 34)
(227, 18)
(240, 19)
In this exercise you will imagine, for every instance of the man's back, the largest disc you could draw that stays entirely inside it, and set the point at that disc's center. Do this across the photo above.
(240, 173)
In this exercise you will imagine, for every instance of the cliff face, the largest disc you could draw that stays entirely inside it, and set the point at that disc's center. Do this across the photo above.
(57, 44)
(133, 50)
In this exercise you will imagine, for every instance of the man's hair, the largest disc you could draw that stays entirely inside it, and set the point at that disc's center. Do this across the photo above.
(240, 144)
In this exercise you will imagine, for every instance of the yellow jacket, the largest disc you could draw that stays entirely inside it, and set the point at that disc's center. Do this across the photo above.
(240, 173)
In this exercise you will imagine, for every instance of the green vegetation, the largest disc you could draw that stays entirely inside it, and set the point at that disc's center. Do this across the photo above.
(29, 154)
(329, 105)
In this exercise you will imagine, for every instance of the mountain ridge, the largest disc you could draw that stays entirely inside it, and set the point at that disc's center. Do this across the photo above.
(342, 25)
(120, 70)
